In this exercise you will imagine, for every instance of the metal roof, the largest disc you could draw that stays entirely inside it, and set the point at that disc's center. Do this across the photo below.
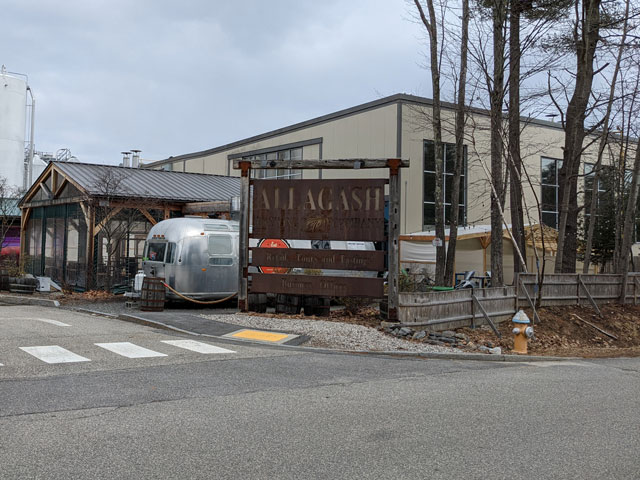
(156, 184)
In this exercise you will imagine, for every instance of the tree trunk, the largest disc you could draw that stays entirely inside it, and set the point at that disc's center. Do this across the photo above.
(460, 154)
(431, 26)
(629, 222)
(497, 95)
(515, 164)
(586, 41)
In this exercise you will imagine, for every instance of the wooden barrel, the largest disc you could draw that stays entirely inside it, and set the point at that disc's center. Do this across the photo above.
(152, 295)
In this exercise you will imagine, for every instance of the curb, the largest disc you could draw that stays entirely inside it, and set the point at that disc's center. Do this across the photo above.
(19, 300)
(478, 357)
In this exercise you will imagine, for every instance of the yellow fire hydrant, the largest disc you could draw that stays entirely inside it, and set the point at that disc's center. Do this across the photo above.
(521, 332)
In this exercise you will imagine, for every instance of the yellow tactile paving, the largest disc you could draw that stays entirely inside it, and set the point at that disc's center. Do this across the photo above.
(260, 335)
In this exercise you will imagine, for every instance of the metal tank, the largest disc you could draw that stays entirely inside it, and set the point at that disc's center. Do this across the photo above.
(13, 115)
(198, 257)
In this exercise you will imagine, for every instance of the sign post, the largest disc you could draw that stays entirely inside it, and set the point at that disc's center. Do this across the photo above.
(324, 210)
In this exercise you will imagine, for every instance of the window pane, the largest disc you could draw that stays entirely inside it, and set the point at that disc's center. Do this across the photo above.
(219, 244)
(429, 214)
(171, 253)
(549, 219)
(449, 157)
(296, 154)
(549, 171)
(429, 156)
(156, 251)
(429, 187)
(549, 198)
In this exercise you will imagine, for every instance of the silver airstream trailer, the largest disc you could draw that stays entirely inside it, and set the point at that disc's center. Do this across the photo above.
(198, 257)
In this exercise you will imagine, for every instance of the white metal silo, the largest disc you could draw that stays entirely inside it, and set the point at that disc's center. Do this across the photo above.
(13, 115)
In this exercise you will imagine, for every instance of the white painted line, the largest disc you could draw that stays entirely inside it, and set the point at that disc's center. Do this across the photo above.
(556, 363)
(130, 350)
(52, 322)
(54, 354)
(199, 347)
(1, 365)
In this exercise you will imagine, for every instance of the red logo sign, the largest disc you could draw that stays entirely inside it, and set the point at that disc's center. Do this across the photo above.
(273, 243)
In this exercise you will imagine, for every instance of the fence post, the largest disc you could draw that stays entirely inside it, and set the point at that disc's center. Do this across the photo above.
(243, 250)
(578, 288)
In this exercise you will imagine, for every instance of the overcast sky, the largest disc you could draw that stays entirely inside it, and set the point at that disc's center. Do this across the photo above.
(171, 77)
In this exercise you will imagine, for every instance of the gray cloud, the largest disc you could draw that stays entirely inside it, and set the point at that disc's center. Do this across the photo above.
(175, 77)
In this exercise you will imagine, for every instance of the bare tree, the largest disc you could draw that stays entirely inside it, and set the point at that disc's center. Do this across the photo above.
(460, 153)
(114, 219)
(604, 138)
(584, 42)
(431, 25)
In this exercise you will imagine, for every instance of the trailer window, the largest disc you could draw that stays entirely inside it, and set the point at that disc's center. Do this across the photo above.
(220, 261)
(156, 251)
(220, 245)
(171, 251)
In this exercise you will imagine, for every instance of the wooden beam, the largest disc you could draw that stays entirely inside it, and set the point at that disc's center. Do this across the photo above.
(486, 317)
(60, 187)
(146, 213)
(346, 163)
(26, 213)
(243, 237)
(393, 238)
(106, 219)
(206, 207)
(89, 212)
(591, 300)
(536, 319)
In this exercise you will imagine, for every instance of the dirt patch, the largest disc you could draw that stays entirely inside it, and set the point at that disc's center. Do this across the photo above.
(561, 333)
(91, 296)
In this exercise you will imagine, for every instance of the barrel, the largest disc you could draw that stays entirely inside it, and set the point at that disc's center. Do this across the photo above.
(153, 293)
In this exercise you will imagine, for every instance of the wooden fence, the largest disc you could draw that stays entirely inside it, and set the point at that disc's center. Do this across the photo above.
(472, 307)
(577, 289)
(457, 308)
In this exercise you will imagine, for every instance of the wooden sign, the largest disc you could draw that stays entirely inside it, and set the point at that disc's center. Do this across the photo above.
(365, 260)
(319, 209)
(317, 285)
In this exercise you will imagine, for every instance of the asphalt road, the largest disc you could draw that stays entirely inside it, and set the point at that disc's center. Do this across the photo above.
(270, 412)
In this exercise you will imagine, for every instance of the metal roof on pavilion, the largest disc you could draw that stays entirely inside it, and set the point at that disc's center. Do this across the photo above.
(152, 184)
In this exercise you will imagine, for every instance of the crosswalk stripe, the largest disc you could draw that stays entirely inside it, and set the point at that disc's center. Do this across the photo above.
(130, 350)
(53, 322)
(199, 347)
(54, 354)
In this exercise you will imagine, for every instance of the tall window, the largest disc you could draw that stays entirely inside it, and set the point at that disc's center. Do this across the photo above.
(549, 186)
(449, 152)
(280, 173)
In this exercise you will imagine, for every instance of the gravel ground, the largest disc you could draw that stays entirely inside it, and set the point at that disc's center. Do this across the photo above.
(324, 334)
(335, 335)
